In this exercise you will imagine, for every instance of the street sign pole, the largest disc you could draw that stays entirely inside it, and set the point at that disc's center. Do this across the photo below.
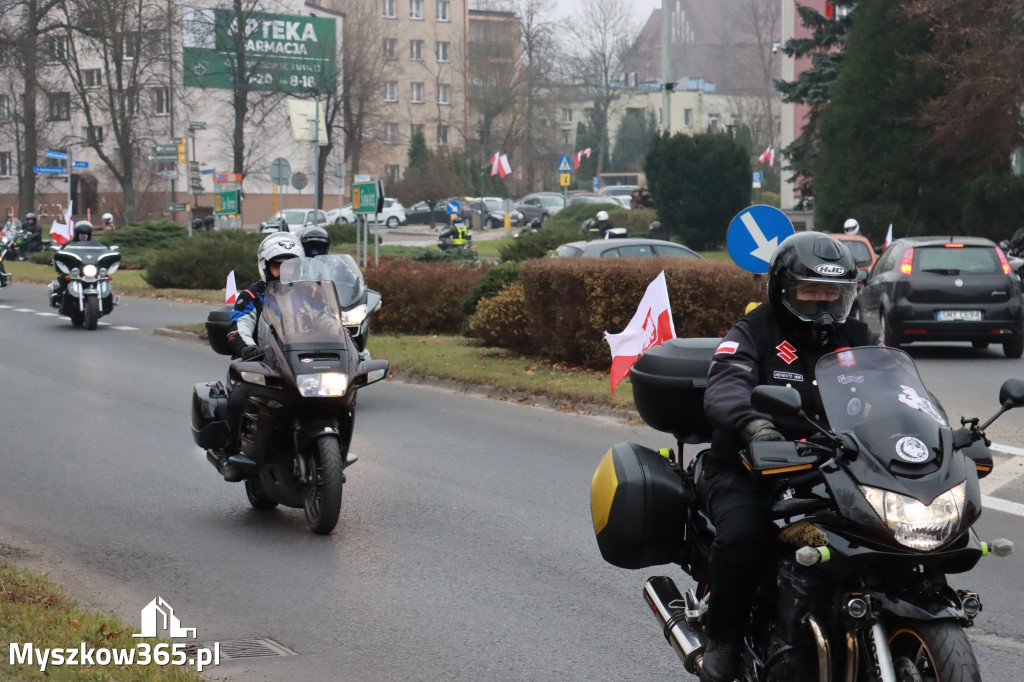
(70, 166)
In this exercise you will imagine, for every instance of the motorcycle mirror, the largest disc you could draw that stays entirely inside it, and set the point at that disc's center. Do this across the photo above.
(370, 371)
(1012, 391)
(373, 300)
(782, 400)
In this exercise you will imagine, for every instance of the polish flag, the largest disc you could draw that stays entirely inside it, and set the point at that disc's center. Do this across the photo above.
(61, 233)
(888, 237)
(771, 158)
(576, 160)
(651, 326)
(765, 154)
(231, 293)
(504, 168)
(495, 161)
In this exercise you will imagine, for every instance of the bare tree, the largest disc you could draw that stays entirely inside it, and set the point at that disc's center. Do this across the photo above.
(605, 38)
(539, 53)
(759, 22)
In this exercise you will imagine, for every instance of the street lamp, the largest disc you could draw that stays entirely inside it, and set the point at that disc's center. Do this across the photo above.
(482, 132)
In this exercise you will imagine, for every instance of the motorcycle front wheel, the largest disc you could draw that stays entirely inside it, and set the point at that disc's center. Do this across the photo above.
(323, 492)
(92, 312)
(932, 651)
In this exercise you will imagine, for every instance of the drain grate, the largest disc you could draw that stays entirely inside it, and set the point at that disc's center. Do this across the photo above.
(233, 650)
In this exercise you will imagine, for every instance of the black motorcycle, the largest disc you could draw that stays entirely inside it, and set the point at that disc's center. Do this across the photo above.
(295, 405)
(448, 237)
(870, 517)
(6, 246)
(82, 289)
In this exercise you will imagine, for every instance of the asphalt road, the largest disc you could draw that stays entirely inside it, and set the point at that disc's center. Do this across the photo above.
(464, 551)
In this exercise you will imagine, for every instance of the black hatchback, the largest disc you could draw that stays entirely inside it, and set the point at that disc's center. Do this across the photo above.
(944, 289)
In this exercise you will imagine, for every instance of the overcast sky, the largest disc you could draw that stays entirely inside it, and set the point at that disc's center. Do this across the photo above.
(640, 9)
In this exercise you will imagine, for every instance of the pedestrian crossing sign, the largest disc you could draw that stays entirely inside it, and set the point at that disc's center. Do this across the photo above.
(564, 164)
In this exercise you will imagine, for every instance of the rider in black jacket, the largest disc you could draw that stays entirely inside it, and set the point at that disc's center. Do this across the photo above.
(812, 283)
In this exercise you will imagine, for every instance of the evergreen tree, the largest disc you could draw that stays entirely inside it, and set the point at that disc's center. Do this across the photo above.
(699, 183)
(632, 140)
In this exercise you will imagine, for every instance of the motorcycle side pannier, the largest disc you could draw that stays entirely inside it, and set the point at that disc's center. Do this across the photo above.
(210, 415)
(217, 324)
(668, 387)
(638, 502)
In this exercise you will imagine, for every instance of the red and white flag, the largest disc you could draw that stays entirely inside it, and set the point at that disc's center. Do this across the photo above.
(888, 237)
(504, 168)
(771, 158)
(61, 233)
(494, 163)
(578, 158)
(768, 153)
(651, 326)
(231, 293)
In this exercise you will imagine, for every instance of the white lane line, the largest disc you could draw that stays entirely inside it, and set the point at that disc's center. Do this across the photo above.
(999, 504)
(5, 306)
(1008, 449)
(125, 328)
(48, 314)
(23, 310)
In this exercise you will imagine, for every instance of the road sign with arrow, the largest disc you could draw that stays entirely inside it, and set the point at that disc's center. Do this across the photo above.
(754, 234)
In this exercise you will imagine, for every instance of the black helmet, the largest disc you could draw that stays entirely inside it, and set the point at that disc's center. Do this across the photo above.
(82, 231)
(535, 223)
(209, 221)
(315, 241)
(30, 216)
(197, 223)
(812, 282)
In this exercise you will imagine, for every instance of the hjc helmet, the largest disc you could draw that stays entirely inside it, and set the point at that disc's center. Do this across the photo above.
(82, 231)
(812, 257)
(277, 247)
(851, 226)
(315, 241)
(602, 215)
(108, 217)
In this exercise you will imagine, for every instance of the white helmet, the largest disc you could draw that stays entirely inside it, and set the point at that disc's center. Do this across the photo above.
(108, 217)
(851, 226)
(278, 246)
(602, 215)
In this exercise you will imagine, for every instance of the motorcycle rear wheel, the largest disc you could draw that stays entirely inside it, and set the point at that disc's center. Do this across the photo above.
(934, 651)
(323, 493)
(92, 312)
(257, 496)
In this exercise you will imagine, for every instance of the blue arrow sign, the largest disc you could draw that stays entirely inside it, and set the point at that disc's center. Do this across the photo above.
(56, 155)
(452, 207)
(564, 164)
(80, 164)
(754, 235)
(206, 171)
(48, 169)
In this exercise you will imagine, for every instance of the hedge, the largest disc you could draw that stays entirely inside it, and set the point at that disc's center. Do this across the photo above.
(204, 261)
(420, 297)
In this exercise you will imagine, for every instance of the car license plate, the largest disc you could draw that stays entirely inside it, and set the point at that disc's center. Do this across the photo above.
(959, 315)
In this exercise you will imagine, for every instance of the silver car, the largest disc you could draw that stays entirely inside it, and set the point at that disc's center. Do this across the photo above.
(629, 247)
(541, 205)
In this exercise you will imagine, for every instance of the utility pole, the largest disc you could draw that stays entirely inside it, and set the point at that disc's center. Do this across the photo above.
(666, 66)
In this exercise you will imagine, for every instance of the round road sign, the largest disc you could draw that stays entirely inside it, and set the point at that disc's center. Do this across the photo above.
(299, 180)
(280, 171)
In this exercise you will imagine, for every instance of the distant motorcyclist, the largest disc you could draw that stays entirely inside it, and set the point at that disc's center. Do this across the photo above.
(209, 223)
(601, 223)
(34, 233)
(315, 241)
(108, 221)
(1015, 246)
(455, 235)
(81, 234)
(197, 224)
(657, 231)
(851, 226)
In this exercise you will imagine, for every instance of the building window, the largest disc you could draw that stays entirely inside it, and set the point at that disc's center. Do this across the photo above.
(5, 107)
(442, 134)
(416, 49)
(389, 9)
(392, 172)
(566, 115)
(93, 78)
(415, 9)
(131, 47)
(442, 10)
(390, 133)
(162, 101)
(390, 48)
(712, 123)
(416, 128)
(93, 134)
(687, 118)
(58, 50)
(390, 91)
(416, 93)
(60, 106)
(443, 93)
(6, 164)
(442, 51)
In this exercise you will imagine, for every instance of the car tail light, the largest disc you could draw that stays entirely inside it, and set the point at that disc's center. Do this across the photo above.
(907, 264)
(1002, 261)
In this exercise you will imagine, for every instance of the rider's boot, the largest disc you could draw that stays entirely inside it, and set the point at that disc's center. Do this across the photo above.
(722, 660)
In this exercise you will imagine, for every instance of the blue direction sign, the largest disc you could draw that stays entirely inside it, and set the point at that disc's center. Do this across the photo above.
(80, 164)
(564, 164)
(206, 171)
(754, 235)
(48, 169)
(57, 155)
(452, 207)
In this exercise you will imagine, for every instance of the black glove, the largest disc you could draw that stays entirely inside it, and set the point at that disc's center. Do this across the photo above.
(759, 430)
(251, 353)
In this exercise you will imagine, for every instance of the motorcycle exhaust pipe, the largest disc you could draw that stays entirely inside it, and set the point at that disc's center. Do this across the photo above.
(670, 608)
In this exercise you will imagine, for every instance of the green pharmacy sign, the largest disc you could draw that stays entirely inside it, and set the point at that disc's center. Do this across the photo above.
(283, 53)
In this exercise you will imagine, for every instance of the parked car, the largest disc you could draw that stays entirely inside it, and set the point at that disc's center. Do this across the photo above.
(861, 249)
(419, 214)
(591, 198)
(493, 209)
(627, 247)
(541, 205)
(618, 190)
(297, 219)
(944, 289)
(393, 214)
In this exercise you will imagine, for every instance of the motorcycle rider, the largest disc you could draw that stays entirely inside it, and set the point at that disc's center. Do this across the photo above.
(601, 223)
(82, 233)
(315, 241)
(851, 226)
(812, 284)
(35, 233)
(108, 221)
(209, 223)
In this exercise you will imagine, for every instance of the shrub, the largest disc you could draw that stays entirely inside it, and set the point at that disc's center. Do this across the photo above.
(502, 320)
(140, 242)
(204, 261)
(493, 281)
(44, 257)
(538, 244)
(420, 298)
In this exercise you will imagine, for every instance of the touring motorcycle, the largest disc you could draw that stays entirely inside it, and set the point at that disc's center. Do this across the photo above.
(870, 517)
(6, 245)
(82, 289)
(294, 407)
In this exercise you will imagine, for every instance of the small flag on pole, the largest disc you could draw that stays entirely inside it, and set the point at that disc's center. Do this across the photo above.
(651, 325)
(61, 233)
(230, 291)
(888, 237)
(504, 168)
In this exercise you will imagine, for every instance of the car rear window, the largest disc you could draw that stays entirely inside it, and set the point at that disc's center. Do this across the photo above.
(553, 201)
(966, 260)
(665, 250)
(566, 250)
(860, 252)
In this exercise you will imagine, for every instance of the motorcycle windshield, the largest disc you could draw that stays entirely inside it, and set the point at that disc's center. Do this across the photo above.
(876, 393)
(304, 312)
(338, 268)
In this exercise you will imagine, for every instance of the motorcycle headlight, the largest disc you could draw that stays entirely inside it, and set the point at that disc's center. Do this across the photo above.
(915, 524)
(354, 316)
(89, 270)
(326, 385)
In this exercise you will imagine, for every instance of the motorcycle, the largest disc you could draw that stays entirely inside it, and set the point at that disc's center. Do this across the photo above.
(449, 234)
(15, 240)
(870, 517)
(295, 404)
(1014, 257)
(82, 289)
(6, 244)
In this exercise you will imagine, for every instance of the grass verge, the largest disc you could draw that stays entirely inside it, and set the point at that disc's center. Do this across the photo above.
(33, 610)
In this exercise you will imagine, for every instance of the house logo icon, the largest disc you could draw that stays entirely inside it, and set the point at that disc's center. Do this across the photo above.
(159, 615)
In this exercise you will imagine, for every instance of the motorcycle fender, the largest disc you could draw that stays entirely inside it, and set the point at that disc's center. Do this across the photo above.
(940, 602)
(311, 430)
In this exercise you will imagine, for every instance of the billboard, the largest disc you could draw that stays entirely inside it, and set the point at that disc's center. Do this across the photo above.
(283, 53)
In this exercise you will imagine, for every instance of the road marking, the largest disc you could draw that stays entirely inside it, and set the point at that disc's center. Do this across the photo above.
(999, 504)
(125, 328)
(5, 306)
(48, 314)
(1008, 449)
(119, 327)
(23, 310)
